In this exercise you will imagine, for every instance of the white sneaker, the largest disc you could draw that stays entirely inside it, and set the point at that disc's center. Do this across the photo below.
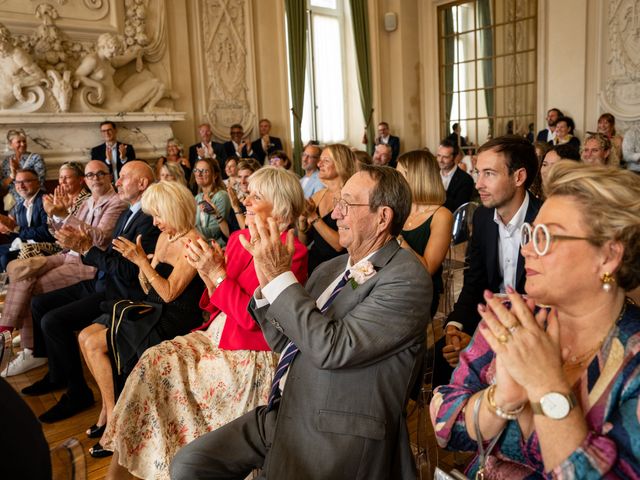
(23, 362)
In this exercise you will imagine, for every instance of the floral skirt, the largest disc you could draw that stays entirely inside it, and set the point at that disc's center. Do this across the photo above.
(180, 390)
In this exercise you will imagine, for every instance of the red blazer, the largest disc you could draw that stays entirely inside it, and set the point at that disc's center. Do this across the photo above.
(241, 332)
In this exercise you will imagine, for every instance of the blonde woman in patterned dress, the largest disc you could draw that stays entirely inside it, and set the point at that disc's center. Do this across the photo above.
(188, 386)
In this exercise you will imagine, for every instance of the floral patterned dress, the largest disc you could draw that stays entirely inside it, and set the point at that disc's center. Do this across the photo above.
(193, 384)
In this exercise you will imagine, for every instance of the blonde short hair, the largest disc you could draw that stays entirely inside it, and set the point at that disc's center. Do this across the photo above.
(175, 169)
(344, 160)
(173, 203)
(16, 132)
(423, 175)
(609, 199)
(282, 188)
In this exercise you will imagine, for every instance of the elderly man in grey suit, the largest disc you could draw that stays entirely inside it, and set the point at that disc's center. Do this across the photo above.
(351, 343)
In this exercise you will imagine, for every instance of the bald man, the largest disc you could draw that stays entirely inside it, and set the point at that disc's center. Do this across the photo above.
(57, 315)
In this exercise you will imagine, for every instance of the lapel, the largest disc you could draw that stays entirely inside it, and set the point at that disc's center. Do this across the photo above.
(453, 184)
(349, 297)
(133, 219)
(532, 211)
(492, 239)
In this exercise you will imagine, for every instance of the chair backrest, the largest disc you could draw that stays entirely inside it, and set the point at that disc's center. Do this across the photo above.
(462, 221)
(68, 461)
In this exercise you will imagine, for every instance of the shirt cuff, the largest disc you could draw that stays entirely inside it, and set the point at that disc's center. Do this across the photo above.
(458, 325)
(275, 287)
(259, 298)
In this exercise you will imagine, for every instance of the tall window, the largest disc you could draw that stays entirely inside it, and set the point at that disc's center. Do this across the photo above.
(487, 61)
(324, 113)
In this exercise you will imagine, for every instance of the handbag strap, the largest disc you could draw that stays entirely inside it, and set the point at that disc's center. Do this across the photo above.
(482, 453)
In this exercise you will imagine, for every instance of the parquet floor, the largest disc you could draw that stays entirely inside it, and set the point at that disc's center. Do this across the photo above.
(97, 468)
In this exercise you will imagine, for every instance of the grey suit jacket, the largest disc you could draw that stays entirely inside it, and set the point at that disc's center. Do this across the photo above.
(342, 413)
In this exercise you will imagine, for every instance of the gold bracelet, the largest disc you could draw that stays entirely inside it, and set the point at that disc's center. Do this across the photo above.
(499, 411)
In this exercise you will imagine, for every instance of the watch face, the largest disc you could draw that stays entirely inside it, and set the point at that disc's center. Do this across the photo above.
(555, 405)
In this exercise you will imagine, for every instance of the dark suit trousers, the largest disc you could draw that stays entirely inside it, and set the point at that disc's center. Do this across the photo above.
(231, 452)
(57, 316)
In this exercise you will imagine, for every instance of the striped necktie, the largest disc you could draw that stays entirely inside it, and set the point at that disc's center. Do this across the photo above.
(291, 350)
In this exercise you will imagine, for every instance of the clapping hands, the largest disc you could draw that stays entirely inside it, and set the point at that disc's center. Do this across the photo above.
(208, 260)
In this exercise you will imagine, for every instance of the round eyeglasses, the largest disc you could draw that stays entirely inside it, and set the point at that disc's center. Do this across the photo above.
(542, 238)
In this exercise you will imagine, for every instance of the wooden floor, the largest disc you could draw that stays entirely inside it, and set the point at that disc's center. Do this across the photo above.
(76, 426)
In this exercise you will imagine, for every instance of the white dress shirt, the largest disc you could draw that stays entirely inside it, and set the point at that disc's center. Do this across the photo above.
(446, 177)
(509, 244)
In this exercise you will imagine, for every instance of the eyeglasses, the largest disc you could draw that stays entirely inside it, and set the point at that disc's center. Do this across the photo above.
(306, 155)
(236, 132)
(201, 171)
(542, 238)
(97, 175)
(106, 130)
(343, 205)
(273, 160)
(24, 182)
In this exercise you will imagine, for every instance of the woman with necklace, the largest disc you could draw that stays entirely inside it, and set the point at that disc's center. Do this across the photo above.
(427, 231)
(559, 389)
(315, 226)
(170, 308)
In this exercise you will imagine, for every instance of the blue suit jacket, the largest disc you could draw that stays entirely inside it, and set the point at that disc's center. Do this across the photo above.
(38, 231)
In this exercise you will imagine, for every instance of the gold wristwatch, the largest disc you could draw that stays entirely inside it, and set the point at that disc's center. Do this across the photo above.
(555, 405)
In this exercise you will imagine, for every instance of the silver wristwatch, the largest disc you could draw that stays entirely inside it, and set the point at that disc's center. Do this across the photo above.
(555, 405)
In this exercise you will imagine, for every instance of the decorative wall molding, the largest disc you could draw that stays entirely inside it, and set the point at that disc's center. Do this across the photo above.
(619, 92)
(47, 71)
(226, 57)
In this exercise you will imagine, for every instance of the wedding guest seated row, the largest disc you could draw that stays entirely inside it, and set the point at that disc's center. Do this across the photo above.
(57, 315)
(20, 158)
(95, 219)
(188, 386)
(175, 156)
(112, 345)
(316, 226)
(172, 172)
(27, 221)
(351, 344)
(554, 391)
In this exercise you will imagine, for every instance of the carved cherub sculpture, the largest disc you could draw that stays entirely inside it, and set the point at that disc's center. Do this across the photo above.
(18, 70)
(140, 91)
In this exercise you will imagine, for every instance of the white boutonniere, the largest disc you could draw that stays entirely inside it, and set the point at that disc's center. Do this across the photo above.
(360, 273)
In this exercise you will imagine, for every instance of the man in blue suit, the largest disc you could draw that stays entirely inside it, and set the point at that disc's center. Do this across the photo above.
(28, 220)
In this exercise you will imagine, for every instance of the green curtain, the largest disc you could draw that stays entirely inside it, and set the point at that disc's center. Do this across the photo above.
(486, 50)
(449, 59)
(360, 22)
(297, 37)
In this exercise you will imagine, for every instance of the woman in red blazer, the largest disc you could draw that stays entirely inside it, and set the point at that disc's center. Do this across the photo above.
(188, 386)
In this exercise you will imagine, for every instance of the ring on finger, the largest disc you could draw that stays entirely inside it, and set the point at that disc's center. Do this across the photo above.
(513, 328)
(254, 240)
(503, 338)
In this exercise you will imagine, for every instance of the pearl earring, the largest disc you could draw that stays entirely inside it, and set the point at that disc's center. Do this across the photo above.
(607, 281)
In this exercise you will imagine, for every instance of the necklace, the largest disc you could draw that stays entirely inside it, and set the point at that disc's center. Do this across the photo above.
(576, 361)
(175, 237)
(415, 216)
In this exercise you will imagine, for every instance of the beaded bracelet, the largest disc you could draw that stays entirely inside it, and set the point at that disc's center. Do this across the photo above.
(499, 411)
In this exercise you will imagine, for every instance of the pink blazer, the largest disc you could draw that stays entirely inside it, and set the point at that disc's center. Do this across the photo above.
(232, 296)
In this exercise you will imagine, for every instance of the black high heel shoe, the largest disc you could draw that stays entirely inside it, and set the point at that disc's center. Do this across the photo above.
(98, 452)
(96, 431)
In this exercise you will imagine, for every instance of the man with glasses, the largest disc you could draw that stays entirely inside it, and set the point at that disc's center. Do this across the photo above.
(310, 181)
(96, 219)
(57, 315)
(506, 167)
(236, 146)
(112, 152)
(351, 340)
(27, 221)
